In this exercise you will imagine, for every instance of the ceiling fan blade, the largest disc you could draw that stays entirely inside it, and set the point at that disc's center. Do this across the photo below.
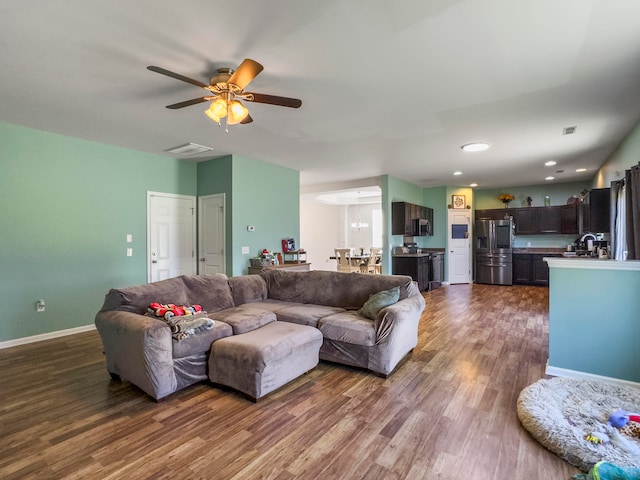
(247, 71)
(246, 120)
(275, 100)
(177, 76)
(188, 103)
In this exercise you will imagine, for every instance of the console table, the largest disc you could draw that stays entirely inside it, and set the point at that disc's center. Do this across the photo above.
(292, 267)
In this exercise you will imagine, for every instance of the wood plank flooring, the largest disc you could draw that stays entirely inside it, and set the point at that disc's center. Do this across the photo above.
(448, 412)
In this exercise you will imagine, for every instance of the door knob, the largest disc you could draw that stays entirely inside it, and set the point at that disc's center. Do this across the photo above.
(202, 259)
(154, 261)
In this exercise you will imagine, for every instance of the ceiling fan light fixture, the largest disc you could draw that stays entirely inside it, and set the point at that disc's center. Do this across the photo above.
(212, 115)
(219, 107)
(237, 112)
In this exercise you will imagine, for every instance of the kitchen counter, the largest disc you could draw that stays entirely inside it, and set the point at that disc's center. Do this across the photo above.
(542, 251)
(593, 318)
(411, 255)
(593, 263)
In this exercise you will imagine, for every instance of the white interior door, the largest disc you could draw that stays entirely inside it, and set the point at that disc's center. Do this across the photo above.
(211, 224)
(459, 240)
(171, 235)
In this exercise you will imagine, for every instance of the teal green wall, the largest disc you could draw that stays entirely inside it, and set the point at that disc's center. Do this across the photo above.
(624, 157)
(593, 322)
(436, 198)
(215, 176)
(66, 208)
(394, 190)
(267, 197)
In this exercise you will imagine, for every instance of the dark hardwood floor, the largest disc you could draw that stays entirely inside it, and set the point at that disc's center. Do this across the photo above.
(448, 412)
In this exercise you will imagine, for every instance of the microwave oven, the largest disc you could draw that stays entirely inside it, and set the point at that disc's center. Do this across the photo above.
(421, 227)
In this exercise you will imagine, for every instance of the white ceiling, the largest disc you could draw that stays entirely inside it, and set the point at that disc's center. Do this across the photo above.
(387, 87)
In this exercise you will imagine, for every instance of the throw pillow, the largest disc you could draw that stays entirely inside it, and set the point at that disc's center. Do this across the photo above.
(378, 301)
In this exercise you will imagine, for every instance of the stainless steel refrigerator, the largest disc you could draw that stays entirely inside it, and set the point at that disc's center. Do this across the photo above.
(494, 254)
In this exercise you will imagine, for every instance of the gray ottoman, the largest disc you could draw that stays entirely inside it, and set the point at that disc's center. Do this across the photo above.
(260, 361)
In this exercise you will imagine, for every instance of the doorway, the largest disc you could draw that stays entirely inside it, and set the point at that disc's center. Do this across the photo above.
(459, 239)
(211, 241)
(171, 235)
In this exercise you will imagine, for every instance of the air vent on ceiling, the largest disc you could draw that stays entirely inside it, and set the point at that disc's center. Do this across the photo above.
(188, 149)
(569, 130)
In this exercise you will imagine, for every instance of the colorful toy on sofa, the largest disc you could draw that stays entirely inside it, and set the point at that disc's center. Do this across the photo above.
(170, 310)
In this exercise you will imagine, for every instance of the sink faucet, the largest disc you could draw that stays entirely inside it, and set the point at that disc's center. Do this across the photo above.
(588, 235)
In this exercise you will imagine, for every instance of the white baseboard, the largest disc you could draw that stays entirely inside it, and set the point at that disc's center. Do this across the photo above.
(46, 336)
(564, 372)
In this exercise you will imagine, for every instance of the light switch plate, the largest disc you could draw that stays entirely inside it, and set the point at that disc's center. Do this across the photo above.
(245, 250)
(129, 238)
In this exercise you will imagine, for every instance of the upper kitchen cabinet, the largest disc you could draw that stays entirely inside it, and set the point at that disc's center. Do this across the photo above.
(562, 219)
(595, 211)
(409, 219)
(495, 213)
(401, 223)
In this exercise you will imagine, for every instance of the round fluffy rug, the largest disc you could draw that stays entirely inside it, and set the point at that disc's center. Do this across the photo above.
(560, 413)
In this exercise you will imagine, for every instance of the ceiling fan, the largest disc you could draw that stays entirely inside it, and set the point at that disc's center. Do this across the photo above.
(226, 90)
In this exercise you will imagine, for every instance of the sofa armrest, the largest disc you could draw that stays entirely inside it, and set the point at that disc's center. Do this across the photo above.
(396, 333)
(405, 310)
(139, 349)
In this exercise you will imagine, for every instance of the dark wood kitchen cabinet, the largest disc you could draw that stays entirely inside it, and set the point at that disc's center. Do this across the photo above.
(526, 221)
(403, 215)
(594, 212)
(562, 219)
(531, 269)
(401, 219)
(417, 267)
(569, 219)
(495, 213)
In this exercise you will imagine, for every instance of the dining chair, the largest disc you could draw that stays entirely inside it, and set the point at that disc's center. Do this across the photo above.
(376, 256)
(368, 265)
(343, 257)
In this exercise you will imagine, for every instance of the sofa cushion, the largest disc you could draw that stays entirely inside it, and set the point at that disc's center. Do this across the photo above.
(274, 305)
(305, 314)
(244, 318)
(136, 299)
(348, 327)
(347, 290)
(200, 342)
(378, 301)
(248, 289)
(211, 291)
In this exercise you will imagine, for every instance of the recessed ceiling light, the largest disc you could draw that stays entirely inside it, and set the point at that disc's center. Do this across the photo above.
(473, 185)
(550, 178)
(550, 163)
(475, 147)
(457, 173)
(581, 170)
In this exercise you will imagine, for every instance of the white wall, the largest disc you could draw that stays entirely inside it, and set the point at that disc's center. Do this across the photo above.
(320, 233)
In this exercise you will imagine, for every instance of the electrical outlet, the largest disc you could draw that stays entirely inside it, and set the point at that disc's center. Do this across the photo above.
(245, 250)
(251, 228)
(129, 238)
(129, 252)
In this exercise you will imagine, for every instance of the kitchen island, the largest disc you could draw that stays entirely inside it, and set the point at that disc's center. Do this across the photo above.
(594, 318)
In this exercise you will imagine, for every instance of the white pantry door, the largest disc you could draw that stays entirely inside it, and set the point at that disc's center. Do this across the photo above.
(459, 239)
(211, 245)
(171, 235)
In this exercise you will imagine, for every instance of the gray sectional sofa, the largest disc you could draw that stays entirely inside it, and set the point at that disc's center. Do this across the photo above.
(142, 350)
